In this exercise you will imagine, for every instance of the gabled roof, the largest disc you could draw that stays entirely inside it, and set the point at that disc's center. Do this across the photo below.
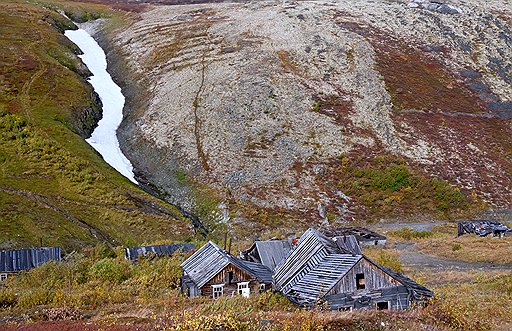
(309, 251)
(210, 259)
(133, 253)
(320, 280)
(24, 259)
(269, 253)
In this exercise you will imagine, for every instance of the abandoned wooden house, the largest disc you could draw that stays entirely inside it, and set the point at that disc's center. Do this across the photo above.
(318, 270)
(269, 253)
(364, 236)
(14, 261)
(133, 253)
(483, 228)
(213, 272)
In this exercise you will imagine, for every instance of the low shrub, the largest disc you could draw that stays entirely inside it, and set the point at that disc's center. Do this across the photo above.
(7, 298)
(111, 270)
(410, 234)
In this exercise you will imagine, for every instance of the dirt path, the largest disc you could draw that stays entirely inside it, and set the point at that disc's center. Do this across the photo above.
(411, 257)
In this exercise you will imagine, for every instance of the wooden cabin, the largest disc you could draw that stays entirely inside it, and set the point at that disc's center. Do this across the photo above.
(320, 271)
(213, 272)
(17, 260)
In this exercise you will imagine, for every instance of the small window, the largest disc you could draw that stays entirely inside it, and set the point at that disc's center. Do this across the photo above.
(345, 309)
(3, 277)
(360, 284)
(263, 288)
(376, 242)
(218, 290)
(384, 305)
(229, 277)
(243, 289)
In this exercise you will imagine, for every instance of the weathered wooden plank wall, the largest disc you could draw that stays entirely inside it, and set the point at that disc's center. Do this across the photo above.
(374, 279)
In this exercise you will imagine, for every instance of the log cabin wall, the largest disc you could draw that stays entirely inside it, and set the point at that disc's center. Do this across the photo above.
(374, 278)
(229, 288)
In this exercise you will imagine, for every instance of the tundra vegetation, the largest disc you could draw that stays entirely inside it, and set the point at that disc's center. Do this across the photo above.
(56, 190)
(98, 287)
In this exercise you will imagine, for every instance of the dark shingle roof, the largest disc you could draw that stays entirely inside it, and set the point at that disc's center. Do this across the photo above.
(133, 253)
(24, 259)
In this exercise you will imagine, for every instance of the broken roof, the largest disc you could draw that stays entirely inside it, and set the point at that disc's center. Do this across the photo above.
(361, 234)
(349, 244)
(270, 252)
(321, 279)
(133, 253)
(481, 228)
(28, 258)
(309, 251)
(316, 264)
(210, 259)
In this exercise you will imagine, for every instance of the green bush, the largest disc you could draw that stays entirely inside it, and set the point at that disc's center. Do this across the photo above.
(111, 270)
(389, 259)
(409, 234)
(7, 298)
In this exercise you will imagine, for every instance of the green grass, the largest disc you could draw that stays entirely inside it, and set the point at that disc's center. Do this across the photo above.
(54, 188)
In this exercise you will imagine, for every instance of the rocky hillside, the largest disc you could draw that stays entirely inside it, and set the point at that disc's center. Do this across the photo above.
(321, 111)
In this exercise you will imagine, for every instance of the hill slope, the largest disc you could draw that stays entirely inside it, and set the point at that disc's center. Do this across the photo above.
(54, 188)
(317, 112)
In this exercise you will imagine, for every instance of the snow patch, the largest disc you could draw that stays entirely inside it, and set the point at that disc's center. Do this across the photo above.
(104, 138)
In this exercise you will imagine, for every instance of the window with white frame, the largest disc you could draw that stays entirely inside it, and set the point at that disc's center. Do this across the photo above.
(263, 287)
(243, 289)
(3, 277)
(218, 290)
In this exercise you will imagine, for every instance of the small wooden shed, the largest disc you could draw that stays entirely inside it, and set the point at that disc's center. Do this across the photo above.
(213, 272)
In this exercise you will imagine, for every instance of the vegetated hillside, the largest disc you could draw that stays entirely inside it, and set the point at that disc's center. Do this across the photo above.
(54, 188)
(286, 113)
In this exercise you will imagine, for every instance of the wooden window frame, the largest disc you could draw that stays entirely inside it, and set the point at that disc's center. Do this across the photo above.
(380, 302)
(360, 285)
(263, 287)
(241, 286)
(216, 291)
(3, 276)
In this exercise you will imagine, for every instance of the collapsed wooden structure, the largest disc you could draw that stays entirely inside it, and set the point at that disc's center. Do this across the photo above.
(14, 261)
(364, 236)
(482, 228)
(319, 271)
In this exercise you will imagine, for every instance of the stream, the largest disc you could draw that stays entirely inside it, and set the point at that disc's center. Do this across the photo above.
(104, 138)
